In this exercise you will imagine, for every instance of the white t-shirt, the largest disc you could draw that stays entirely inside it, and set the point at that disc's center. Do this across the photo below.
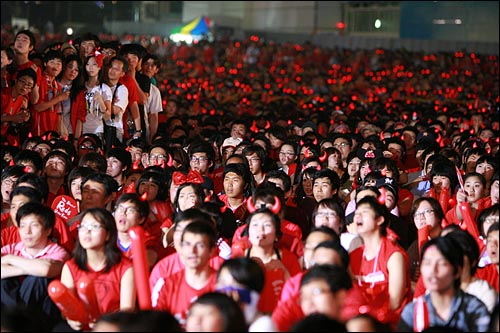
(153, 105)
(121, 100)
(93, 119)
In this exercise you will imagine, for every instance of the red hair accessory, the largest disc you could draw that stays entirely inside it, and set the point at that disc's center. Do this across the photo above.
(370, 154)
(275, 208)
(383, 195)
(193, 176)
(99, 57)
(323, 157)
(130, 188)
(170, 162)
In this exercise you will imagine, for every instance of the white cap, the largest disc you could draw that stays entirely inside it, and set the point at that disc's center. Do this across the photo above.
(231, 142)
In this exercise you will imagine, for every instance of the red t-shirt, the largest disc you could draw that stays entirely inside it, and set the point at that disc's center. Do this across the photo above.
(47, 120)
(10, 106)
(489, 273)
(107, 285)
(176, 295)
(373, 280)
(172, 264)
(288, 311)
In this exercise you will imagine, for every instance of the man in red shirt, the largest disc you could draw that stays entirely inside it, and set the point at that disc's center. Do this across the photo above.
(198, 244)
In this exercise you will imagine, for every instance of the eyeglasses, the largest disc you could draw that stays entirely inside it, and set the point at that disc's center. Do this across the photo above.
(342, 144)
(199, 159)
(253, 160)
(426, 212)
(26, 84)
(90, 227)
(157, 157)
(288, 154)
(326, 214)
(84, 147)
(126, 210)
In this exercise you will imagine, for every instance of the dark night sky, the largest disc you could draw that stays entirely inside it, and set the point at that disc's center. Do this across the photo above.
(90, 12)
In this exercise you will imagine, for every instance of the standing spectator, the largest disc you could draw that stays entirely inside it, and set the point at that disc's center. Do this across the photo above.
(97, 96)
(70, 79)
(150, 66)
(88, 44)
(8, 66)
(15, 114)
(132, 117)
(47, 111)
(24, 44)
(119, 100)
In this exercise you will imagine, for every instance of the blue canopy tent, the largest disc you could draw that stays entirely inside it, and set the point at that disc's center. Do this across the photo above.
(193, 31)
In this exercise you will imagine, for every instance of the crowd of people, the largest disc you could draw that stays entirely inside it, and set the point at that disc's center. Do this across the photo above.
(247, 185)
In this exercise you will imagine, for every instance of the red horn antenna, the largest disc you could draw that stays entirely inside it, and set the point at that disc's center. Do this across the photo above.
(277, 205)
(250, 206)
(382, 196)
(170, 162)
(323, 157)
